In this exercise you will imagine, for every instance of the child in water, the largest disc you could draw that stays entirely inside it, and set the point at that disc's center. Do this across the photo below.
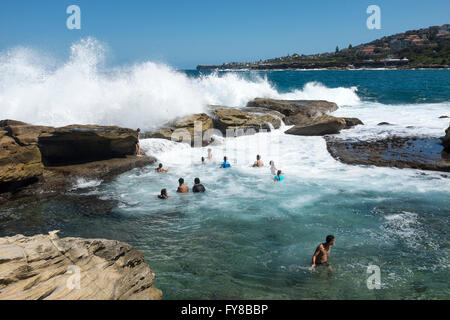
(279, 176)
(225, 164)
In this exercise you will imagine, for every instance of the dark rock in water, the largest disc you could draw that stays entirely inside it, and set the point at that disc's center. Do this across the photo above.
(47, 267)
(319, 126)
(30, 154)
(352, 122)
(443, 117)
(309, 117)
(402, 152)
(446, 140)
(384, 124)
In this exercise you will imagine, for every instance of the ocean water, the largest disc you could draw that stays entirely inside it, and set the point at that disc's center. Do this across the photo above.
(247, 237)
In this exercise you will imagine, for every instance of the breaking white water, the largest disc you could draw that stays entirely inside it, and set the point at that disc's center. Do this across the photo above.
(146, 95)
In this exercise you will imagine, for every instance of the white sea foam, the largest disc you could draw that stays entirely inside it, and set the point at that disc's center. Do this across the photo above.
(83, 183)
(405, 119)
(36, 89)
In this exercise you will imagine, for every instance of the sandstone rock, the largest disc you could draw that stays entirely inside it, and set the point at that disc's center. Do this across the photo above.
(19, 163)
(184, 124)
(319, 126)
(446, 140)
(86, 143)
(47, 267)
(231, 118)
(28, 154)
(309, 108)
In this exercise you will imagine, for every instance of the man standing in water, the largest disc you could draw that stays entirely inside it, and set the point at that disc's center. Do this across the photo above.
(198, 187)
(322, 253)
(182, 188)
(258, 163)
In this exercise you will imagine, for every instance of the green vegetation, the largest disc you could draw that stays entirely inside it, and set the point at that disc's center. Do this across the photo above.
(429, 47)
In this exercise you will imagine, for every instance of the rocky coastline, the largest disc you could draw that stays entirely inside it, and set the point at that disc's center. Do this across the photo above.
(424, 153)
(42, 161)
(46, 267)
(309, 117)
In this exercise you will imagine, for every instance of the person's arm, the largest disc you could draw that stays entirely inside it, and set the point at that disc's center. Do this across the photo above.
(316, 254)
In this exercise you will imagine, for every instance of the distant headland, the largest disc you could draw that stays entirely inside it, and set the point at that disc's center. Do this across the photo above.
(413, 49)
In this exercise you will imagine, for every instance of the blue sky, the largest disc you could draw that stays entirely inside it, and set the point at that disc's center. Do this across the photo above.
(186, 33)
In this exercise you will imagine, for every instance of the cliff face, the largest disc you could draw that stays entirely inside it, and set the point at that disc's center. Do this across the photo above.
(30, 154)
(53, 268)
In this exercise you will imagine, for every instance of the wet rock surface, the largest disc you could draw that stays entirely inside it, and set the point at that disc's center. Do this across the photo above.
(309, 117)
(446, 140)
(424, 153)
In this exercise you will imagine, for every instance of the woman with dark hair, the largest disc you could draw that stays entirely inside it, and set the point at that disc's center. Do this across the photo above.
(164, 194)
(279, 176)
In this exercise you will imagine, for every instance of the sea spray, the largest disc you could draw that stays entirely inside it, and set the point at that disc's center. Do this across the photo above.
(35, 89)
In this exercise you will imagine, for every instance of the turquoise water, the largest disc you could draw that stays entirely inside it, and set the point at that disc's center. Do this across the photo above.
(250, 238)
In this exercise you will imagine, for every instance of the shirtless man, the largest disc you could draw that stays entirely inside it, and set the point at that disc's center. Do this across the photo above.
(258, 163)
(182, 188)
(322, 253)
(161, 169)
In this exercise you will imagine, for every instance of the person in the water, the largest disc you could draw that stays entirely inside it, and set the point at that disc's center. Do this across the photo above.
(258, 163)
(164, 194)
(279, 176)
(322, 253)
(138, 144)
(182, 188)
(198, 187)
(273, 169)
(210, 156)
(203, 160)
(225, 164)
(161, 169)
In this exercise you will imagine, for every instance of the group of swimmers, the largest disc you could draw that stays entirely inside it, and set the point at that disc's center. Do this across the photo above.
(182, 188)
(322, 252)
(198, 187)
